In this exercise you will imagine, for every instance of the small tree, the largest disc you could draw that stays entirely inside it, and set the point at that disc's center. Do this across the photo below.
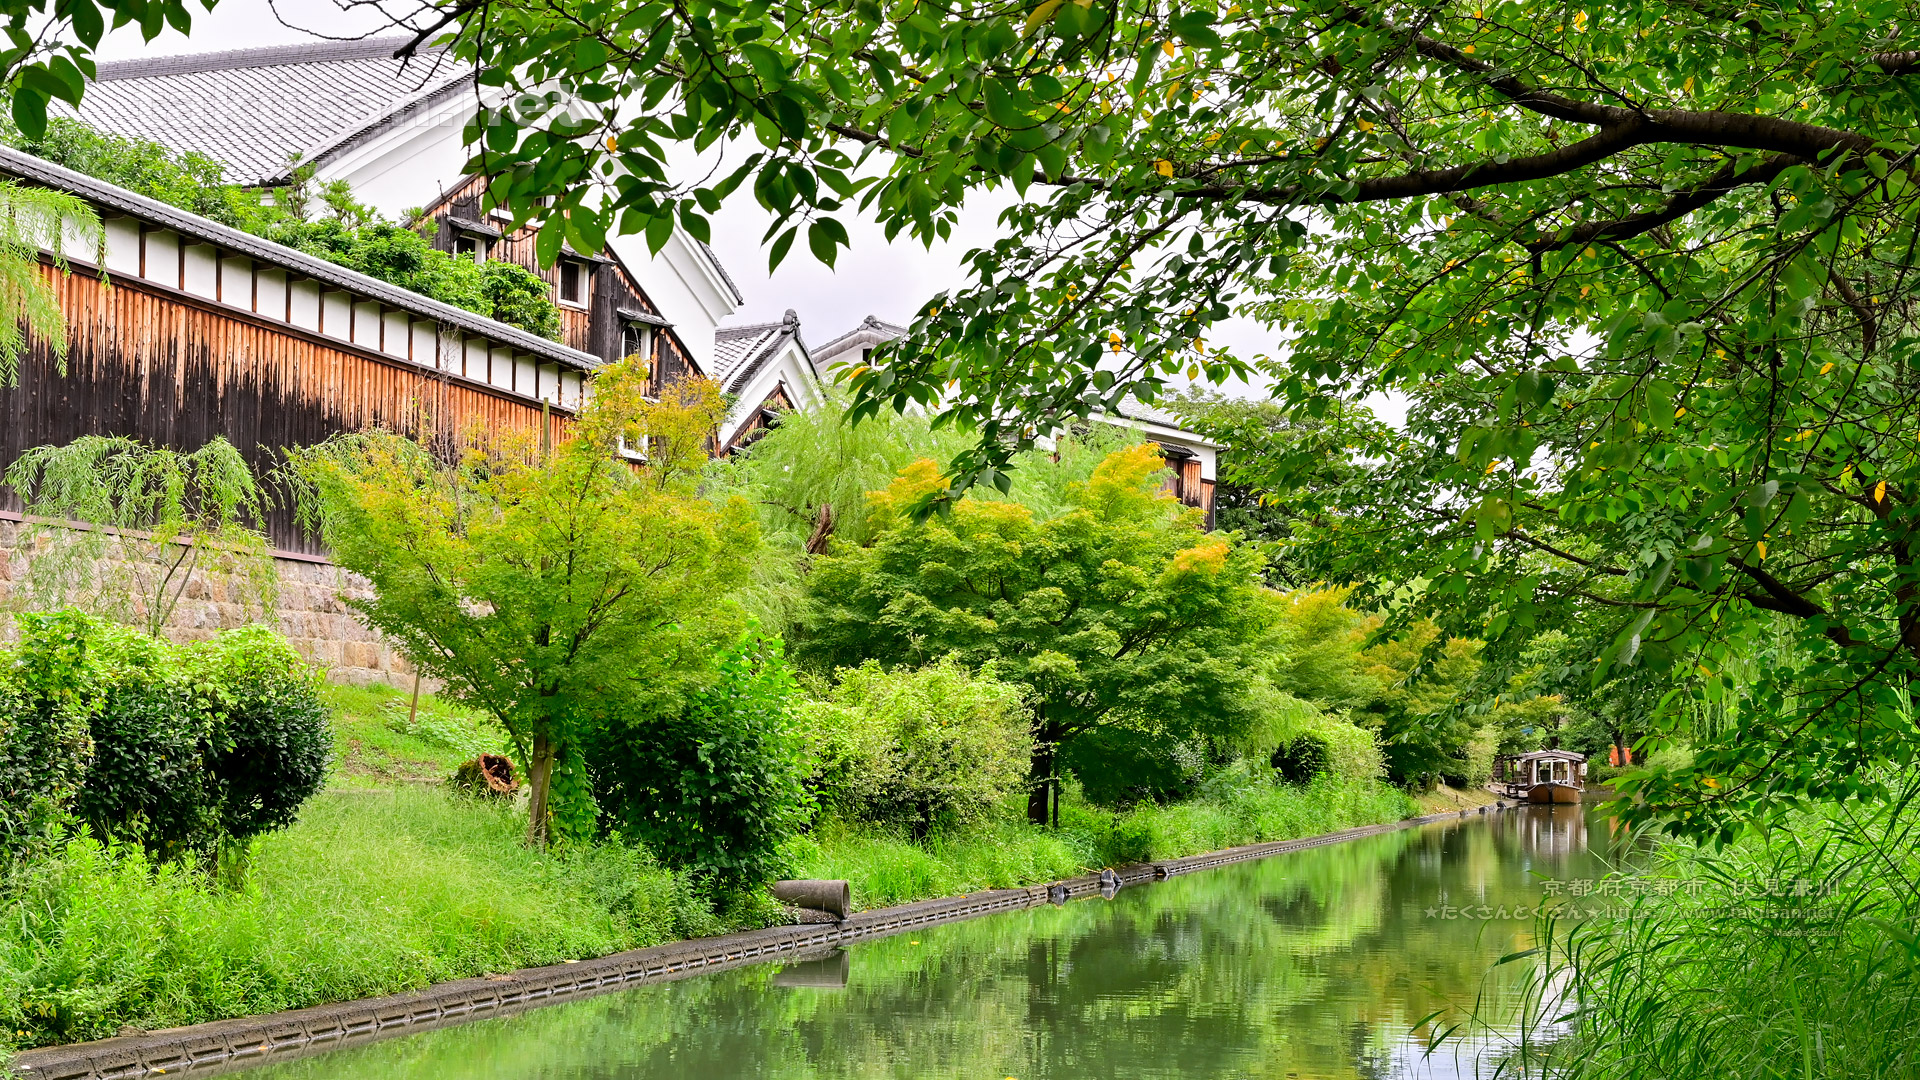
(548, 586)
(33, 221)
(1120, 611)
(152, 516)
(717, 785)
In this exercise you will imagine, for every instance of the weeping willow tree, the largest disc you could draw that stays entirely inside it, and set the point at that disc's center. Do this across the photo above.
(121, 528)
(36, 221)
(811, 474)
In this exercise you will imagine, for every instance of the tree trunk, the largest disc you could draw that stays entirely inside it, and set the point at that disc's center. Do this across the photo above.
(1039, 781)
(822, 530)
(539, 782)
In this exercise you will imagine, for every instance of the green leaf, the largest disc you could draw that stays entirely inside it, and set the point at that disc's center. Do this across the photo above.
(781, 244)
(88, 26)
(766, 63)
(659, 231)
(1000, 107)
(30, 111)
(822, 241)
(1195, 28)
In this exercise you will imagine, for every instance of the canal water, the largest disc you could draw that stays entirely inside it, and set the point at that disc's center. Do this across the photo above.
(1314, 964)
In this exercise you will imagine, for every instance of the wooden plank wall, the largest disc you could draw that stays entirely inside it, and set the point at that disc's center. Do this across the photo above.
(175, 370)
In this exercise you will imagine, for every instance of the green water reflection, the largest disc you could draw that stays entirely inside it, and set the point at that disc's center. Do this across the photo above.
(1305, 965)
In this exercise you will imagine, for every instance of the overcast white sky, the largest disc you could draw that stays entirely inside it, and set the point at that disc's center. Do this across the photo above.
(875, 277)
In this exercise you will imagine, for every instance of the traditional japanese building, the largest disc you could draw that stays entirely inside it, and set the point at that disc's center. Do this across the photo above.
(393, 130)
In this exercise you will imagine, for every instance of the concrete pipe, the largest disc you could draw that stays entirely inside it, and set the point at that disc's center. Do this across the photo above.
(833, 897)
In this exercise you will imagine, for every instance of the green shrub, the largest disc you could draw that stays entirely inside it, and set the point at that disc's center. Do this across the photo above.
(1353, 753)
(47, 696)
(399, 255)
(392, 254)
(717, 787)
(1303, 757)
(518, 297)
(936, 746)
(149, 780)
(273, 739)
(176, 748)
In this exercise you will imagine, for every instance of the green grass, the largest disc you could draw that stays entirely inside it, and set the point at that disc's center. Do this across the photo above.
(370, 893)
(1722, 978)
(887, 869)
(375, 744)
(388, 883)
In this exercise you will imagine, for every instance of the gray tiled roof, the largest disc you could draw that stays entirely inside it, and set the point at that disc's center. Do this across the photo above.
(256, 109)
(739, 351)
(714, 256)
(1134, 409)
(871, 331)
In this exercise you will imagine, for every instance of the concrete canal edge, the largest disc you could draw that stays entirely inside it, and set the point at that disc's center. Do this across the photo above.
(205, 1049)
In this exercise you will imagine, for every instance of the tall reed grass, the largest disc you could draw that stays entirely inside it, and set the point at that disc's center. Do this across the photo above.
(1790, 954)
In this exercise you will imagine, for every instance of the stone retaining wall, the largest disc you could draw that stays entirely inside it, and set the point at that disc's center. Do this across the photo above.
(222, 1046)
(308, 610)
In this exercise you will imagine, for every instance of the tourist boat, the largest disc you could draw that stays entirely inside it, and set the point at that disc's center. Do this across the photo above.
(1543, 776)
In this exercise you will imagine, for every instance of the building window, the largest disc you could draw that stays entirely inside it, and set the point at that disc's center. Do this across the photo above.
(573, 283)
(637, 341)
(469, 246)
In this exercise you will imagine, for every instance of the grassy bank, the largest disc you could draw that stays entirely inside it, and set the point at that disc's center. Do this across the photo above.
(387, 883)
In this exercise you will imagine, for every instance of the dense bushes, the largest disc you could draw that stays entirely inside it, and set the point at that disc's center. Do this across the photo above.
(149, 781)
(272, 739)
(499, 290)
(937, 746)
(45, 704)
(1303, 757)
(716, 786)
(182, 749)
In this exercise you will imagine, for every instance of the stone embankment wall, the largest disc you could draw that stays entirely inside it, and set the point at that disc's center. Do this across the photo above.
(309, 610)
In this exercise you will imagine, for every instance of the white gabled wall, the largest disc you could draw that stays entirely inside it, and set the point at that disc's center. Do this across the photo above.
(791, 367)
(686, 285)
(410, 164)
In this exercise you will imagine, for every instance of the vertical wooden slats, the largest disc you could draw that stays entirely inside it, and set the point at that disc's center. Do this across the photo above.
(177, 373)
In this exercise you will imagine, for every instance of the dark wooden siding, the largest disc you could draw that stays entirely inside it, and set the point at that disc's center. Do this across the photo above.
(173, 370)
(1186, 483)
